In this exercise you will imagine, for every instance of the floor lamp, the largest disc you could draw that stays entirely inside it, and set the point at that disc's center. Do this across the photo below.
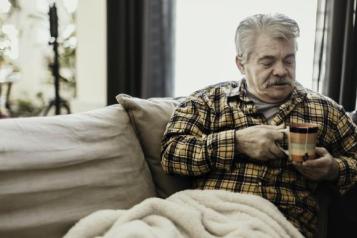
(57, 102)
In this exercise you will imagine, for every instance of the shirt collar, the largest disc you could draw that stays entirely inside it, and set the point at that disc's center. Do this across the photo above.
(239, 92)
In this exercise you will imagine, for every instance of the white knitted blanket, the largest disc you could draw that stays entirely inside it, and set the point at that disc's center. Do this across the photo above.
(190, 213)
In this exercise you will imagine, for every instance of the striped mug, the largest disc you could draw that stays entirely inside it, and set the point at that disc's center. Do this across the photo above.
(302, 141)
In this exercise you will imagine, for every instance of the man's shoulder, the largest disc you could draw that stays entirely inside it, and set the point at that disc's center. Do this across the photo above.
(319, 98)
(323, 105)
(222, 89)
(213, 95)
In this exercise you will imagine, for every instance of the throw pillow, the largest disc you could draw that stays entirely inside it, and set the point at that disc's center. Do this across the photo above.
(149, 118)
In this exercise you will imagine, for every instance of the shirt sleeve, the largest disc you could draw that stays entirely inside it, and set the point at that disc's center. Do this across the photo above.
(345, 152)
(189, 147)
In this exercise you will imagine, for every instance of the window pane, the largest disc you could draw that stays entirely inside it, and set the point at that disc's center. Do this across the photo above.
(205, 49)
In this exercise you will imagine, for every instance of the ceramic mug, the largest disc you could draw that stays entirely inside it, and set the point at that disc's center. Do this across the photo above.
(302, 141)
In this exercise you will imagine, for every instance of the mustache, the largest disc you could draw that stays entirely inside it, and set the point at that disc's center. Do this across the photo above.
(278, 81)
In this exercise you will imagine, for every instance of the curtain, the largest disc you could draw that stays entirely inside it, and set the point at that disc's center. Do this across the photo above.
(335, 63)
(140, 48)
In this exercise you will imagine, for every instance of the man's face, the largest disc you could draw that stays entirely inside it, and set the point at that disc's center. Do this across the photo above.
(270, 69)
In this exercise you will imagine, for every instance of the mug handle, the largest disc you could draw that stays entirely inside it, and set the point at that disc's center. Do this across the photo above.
(286, 152)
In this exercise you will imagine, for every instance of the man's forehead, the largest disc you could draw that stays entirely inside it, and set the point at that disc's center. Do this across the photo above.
(273, 56)
(268, 47)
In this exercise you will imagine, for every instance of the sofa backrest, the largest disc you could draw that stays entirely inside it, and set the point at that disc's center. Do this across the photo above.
(56, 170)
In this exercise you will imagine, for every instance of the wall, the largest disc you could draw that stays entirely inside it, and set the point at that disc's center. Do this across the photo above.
(91, 55)
(34, 51)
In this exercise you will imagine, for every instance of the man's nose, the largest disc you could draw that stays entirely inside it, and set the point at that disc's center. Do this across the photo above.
(279, 69)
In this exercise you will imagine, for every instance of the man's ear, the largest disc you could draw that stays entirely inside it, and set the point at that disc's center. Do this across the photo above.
(240, 65)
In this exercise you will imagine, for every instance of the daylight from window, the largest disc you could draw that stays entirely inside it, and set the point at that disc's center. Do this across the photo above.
(205, 49)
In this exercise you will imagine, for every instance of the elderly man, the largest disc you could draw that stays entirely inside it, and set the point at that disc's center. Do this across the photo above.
(229, 136)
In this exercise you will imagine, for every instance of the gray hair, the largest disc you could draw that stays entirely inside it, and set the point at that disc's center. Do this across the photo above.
(277, 26)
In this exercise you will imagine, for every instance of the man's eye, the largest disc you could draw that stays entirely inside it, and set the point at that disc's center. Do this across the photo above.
(289, 62)
(267, 64)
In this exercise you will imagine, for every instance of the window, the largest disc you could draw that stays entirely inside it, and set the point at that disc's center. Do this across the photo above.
(205, 49)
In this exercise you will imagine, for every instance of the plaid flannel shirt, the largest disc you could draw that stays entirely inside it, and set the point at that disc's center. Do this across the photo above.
(199, 141)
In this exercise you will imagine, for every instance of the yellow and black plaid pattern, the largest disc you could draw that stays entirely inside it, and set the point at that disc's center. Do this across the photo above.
(200, 142)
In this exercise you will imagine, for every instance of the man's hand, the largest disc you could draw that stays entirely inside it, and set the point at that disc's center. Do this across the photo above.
(324, 167)
(259, 142)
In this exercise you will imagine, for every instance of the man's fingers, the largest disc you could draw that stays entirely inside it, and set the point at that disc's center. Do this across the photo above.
(314, 163)
(278, 135)
(275, 132)
(271, 127)
(299, 167)
(281, 126)
(305, 170)
(324, 167)
(319, 163)
(277, 151)
(259, 141)
(280, 132)
(284, 130)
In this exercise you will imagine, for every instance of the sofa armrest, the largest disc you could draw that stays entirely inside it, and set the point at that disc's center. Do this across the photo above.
(55, 170)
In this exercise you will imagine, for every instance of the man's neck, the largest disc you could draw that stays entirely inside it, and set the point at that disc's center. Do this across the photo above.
(267, 109)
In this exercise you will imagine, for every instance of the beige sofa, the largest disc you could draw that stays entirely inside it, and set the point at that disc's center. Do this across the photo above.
(56, 170)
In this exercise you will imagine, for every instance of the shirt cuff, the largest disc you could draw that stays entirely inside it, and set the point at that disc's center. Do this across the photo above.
(221, 148)
(344, 182)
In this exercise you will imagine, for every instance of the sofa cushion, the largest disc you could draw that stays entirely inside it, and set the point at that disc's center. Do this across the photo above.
(149, 118)
(56, 170)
